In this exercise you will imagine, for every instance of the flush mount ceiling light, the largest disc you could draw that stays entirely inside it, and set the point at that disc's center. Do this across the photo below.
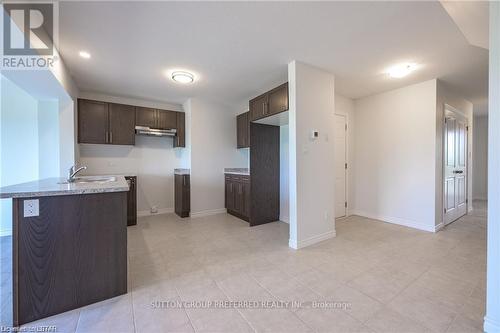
(182, 77)
(401, 70)
(84, 54)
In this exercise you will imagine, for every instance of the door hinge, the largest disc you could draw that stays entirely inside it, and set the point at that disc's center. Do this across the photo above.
(346, 165)
(346, 204)
(467, 128)
(445, 210)
(466, 200)
(346, 127)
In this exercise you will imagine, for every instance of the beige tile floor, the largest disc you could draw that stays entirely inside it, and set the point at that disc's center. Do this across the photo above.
(392, 278)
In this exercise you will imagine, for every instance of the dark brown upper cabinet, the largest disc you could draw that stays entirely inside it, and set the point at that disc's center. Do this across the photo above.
(269, 103)
(180, 137)
(278, 99)
(145, 117)
(110, 123)
(105, 123)
(166, 119)
(154, 118)
(258, 107)
(121, 124)
(243, 130)
(93, 120)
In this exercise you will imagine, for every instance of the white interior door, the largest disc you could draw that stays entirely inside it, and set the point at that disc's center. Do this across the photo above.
(340, 166)
(455, 166)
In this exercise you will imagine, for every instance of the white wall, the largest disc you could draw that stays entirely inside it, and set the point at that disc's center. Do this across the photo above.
(480, 158)
(492, 318)
(311, 169)
(48, 139)
(345, 106)
(394, 156)
(153, 160)
(19, 138)
(446, 95)
(213, 148)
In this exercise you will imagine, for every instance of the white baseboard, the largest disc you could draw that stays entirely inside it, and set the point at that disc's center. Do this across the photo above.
(144, 213)
(294, 244)
(439, 227)
(397, 220)
(491, 326)
(285, 218)
(208, 212)
(5, 232)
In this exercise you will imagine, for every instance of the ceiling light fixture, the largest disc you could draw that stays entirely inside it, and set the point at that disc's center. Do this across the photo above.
(182, 77)
(84, 54)
(401, 70)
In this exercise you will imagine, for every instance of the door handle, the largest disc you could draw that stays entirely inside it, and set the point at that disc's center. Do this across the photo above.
(458, 171)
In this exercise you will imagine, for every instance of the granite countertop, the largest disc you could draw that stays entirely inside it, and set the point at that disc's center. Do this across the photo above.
(59, 186)
(237, 171)
(182, 171)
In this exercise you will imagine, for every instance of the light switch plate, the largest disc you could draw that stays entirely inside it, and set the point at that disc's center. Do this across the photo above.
(31, 208)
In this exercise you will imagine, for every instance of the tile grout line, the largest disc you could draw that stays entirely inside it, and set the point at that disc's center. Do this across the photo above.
(238, 310)
(292, 312)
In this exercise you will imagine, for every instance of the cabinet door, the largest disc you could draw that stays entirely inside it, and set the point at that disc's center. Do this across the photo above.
(167, 119)
(238, 197)
(132, 201)
(92, 121)
(258, 107)
(245, 198)
(278, 99)
(180, 137)
(145, 117)
(243, 130)
(121, 124)
(229, 193)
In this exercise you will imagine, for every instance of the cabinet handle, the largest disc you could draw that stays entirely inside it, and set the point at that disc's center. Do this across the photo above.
(231, 187)
(110, 137)
(263, 108)
(184, 181)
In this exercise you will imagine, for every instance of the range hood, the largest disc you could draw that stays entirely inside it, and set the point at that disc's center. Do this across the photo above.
(143, 130)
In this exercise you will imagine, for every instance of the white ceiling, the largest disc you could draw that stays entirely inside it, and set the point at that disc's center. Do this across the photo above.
(241, 49)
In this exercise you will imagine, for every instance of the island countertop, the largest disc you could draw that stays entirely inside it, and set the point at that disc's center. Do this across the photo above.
(59, 186)
(237, 171)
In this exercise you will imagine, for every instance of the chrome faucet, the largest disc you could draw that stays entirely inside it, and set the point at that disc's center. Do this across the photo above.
(73, 171)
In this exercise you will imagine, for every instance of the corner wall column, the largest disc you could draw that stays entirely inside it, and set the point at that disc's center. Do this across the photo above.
(492, 319)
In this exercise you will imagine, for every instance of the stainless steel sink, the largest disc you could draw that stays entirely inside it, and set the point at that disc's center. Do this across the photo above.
(91, 179)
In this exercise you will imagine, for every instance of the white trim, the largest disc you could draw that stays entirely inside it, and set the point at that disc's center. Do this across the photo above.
(396, 220)
(208, 212)
(285, 218)
(5, 232)
(144, 213)
(311, 240)
(348, 170)
(491, 326)
(439, 227)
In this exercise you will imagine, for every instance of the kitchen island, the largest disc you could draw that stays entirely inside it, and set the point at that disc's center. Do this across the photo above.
(69, 244)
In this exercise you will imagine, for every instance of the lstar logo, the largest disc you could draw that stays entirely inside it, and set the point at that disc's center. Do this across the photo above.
(35, 21)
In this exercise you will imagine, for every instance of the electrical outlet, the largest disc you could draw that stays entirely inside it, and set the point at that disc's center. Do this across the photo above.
(154, 210)
(31, 208)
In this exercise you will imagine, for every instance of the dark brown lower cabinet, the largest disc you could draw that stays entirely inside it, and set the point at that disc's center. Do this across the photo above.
(71, 255)
(132, 200)
(182, 195)
(238, 195)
